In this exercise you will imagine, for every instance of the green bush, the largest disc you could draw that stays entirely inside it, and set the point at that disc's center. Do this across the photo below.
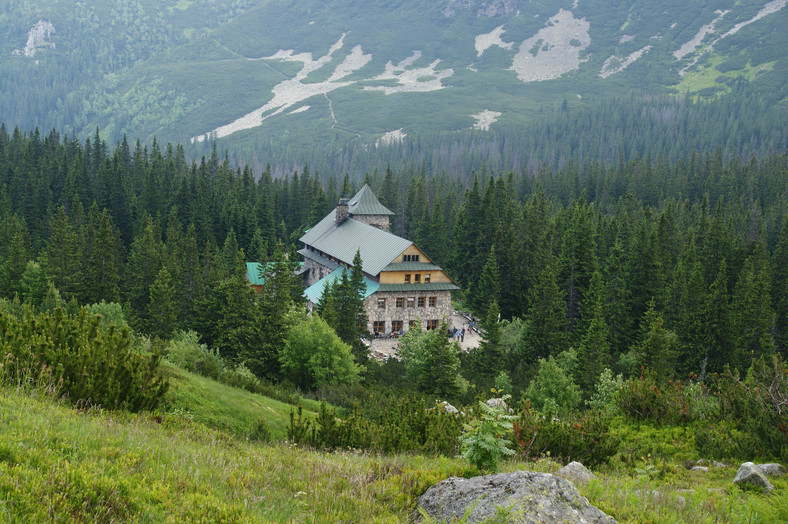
(756, 405)
(406, 426)
(583, 437)
(643, 399)
(110, 313)
(723, 440)
(185, 351)
(77, 357)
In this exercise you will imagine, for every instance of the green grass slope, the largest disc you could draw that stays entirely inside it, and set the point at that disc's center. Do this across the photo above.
(60, 464)
(57, 463)
(227, 408)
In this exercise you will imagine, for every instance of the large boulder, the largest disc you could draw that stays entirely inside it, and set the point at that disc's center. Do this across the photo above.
(750, 476)
(576, 473)
(527, 497)
(772, 469)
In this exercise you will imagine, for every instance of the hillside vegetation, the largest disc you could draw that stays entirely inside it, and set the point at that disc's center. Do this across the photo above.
(100, 466)
(269, 77)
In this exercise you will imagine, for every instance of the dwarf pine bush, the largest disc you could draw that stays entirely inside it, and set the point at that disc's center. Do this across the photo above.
(79, 358)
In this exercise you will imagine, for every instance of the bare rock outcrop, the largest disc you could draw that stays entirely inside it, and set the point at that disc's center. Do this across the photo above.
(750, 476)
(526, 497)
(576, 473)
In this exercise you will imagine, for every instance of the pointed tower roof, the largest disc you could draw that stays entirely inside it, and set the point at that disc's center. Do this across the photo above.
(366, 203)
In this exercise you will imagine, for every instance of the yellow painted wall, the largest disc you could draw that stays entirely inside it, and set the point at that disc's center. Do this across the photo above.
(413, 250)
(398, 277)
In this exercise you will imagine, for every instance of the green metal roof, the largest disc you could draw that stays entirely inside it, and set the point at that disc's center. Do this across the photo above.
(432, 286)
(319, 259)
(315, 291)
(254, 272)
(366, 203)
(412, 266)
(378, 248)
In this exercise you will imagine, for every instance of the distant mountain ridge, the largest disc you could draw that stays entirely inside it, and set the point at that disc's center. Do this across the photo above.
(250, 70)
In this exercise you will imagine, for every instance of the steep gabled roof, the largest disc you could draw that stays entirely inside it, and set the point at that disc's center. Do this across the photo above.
(378, 248)
(366, 203)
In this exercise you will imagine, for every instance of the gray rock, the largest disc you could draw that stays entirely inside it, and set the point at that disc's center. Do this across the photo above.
(497, 403)
(448, 408)
(749, 475)
(528, 497)
(704, 469)
(773, 469)
(576, 473)
(719, 464)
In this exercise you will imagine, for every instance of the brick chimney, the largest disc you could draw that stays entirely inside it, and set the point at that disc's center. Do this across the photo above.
(342, 211)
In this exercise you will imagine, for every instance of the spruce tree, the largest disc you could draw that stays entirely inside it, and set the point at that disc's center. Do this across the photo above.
(163, 308)
(779, 287)
(656, 346)
(751, 311)
(593, 352)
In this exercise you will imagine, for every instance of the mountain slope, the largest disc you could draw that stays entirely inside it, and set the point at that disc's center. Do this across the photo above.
(343, 71)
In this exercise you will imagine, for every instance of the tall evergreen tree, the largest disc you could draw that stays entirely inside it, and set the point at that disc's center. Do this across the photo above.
(779, 287)
(656, 346)
(751, 311)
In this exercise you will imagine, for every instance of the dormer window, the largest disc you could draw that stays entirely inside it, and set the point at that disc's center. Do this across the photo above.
(410, 258)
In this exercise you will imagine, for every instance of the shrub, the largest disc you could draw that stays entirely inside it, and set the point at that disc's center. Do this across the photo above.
(584, 437)
(604, 398)
(110, 313)
(643, 399)
(186, 352)
(261, 431)
(84, 361)
(757, 404)
(553, 390)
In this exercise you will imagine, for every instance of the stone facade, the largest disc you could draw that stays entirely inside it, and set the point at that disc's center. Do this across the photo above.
(407, 313)
(316, 271)
(379, 221)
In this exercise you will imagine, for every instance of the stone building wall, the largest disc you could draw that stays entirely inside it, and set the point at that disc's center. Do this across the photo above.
(441, 312)
(378, 221)
(316, 271)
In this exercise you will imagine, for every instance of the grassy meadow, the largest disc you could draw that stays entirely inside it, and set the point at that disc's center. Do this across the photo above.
(174, 465)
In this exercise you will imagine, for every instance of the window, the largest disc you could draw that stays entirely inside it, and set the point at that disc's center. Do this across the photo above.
(417, 277)
(411, 323)
(396, 326)
(379, 326)
(432, 324)
(433, 301)
(400, 302)
(410, 258)
(421, 301)
(407, 277)
(381, 303)
(411, 302)
(426, 278)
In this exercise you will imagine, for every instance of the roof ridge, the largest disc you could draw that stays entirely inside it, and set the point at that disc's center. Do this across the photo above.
(365, 202)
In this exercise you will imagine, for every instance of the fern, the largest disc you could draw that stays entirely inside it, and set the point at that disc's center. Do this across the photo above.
(484, 441)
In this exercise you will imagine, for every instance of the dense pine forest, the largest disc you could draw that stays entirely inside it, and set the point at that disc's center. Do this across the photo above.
(591, 257)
